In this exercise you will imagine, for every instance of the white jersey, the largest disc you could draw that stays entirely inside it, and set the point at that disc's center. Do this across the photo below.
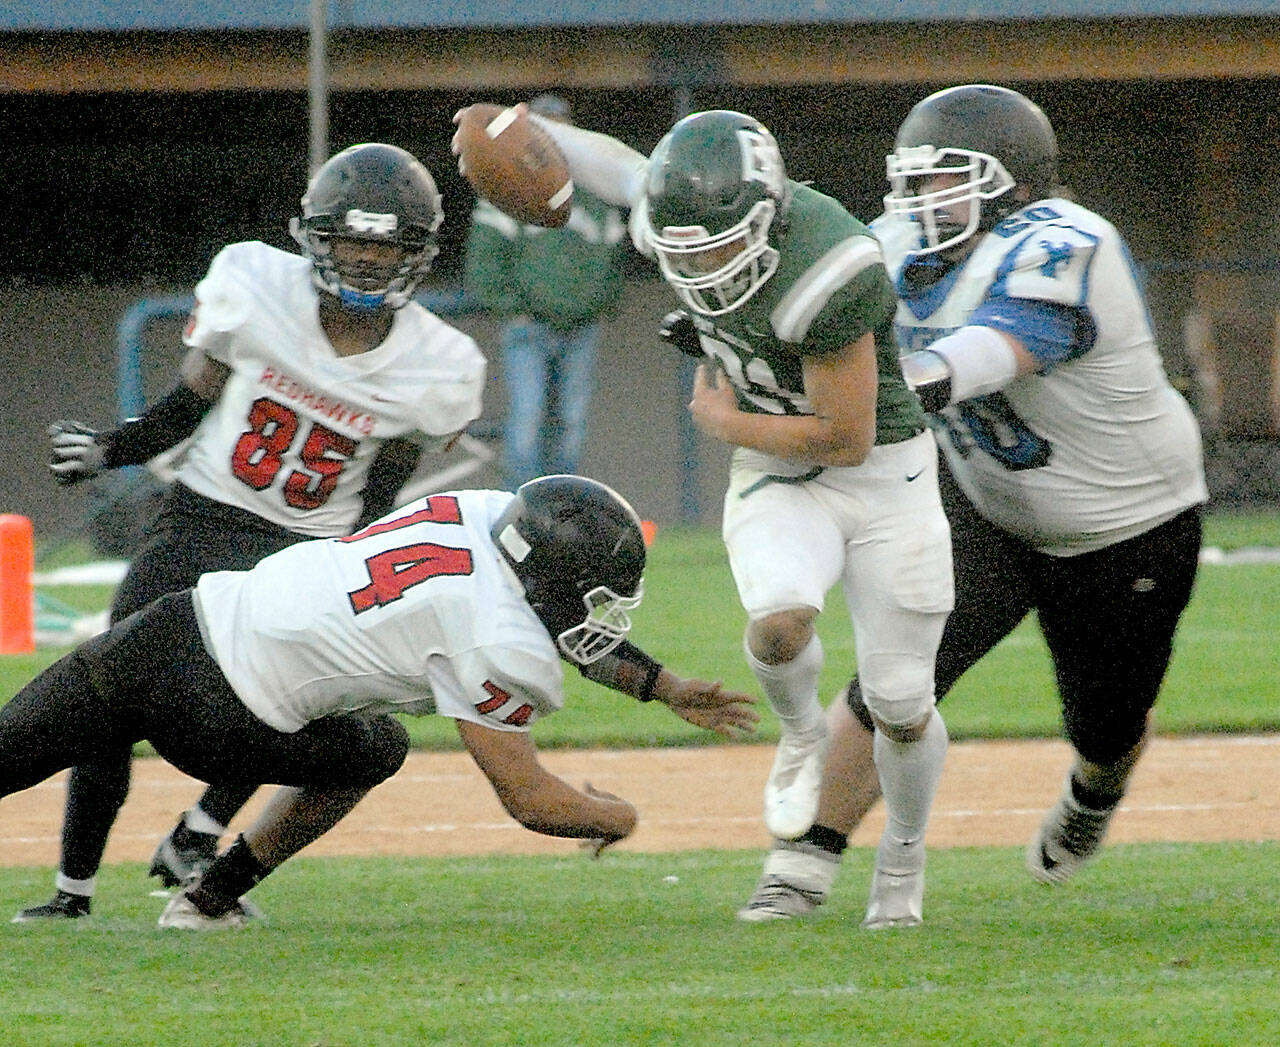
(1094, 447)
(294, 431)
(417, 614)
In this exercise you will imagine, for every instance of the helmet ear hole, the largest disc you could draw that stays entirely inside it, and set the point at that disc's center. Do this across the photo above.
(577, 547)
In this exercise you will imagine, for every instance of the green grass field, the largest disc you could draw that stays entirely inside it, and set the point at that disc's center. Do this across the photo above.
(1158, 944)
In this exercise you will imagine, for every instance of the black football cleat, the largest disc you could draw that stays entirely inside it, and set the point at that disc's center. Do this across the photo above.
(182, 856)
(63, 906)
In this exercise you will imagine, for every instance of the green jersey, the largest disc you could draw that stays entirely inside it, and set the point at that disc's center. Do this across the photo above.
(829, 289)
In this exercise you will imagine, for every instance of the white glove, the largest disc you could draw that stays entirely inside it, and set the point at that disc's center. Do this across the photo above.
(77, 455)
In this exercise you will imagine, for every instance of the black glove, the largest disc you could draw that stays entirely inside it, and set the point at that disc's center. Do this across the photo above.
(77, 454)
(679, 331)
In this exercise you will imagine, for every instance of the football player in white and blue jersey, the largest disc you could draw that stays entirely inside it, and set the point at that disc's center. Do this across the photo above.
(1074, 478)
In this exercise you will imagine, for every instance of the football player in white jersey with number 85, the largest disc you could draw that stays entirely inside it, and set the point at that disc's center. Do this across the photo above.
(311, 385)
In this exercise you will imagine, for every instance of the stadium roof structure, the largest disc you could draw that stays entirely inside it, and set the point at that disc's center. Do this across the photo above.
(186, 15)
(53, 47)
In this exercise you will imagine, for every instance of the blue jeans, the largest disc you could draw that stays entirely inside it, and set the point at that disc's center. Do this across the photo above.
(548, 376)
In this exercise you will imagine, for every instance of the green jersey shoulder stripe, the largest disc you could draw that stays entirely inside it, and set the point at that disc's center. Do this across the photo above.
(806, 297)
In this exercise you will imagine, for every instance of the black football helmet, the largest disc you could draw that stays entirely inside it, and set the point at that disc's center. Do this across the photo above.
(991, 139)
(716, 186)
(370, 192)
(578, 549)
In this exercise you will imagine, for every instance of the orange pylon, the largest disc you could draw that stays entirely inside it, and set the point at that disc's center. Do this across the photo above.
(17, 592)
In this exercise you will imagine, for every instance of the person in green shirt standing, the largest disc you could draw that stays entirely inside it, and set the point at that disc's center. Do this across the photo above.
(551, 287)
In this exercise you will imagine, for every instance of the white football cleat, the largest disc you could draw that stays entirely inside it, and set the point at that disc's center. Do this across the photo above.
(897, 885)
(797, 878)
(181, 914)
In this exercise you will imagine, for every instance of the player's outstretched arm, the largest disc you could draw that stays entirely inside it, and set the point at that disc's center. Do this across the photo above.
(538, 799)
(598, 162)
(631, 671)
(80, 453)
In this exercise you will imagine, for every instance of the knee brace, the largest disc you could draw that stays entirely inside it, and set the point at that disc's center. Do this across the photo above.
(898, 688)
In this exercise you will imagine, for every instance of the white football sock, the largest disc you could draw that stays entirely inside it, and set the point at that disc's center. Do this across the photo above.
(84, 888)
(909, 774)
(792, 687)
(199, 822)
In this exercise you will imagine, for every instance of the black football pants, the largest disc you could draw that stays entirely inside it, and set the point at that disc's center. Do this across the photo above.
(150, 677)
(191, 535)
(1108, 618)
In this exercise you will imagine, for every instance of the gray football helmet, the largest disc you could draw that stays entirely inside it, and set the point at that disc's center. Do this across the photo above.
(988, 140)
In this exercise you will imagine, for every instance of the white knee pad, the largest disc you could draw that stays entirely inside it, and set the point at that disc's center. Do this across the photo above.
(897, 688)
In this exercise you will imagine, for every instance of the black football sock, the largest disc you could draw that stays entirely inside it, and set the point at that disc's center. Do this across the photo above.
(233, 873)
(826, 838)
(1092, 798)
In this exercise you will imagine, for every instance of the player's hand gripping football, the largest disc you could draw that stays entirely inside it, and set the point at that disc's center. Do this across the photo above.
(708, 705)
(76, 453)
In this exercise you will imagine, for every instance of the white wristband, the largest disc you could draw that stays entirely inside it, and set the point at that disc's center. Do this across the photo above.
(981, 361)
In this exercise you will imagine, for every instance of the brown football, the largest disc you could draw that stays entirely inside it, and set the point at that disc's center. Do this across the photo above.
(514, 164)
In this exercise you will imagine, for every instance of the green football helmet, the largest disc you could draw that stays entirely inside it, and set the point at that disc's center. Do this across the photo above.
(715, 189)
(988, 140)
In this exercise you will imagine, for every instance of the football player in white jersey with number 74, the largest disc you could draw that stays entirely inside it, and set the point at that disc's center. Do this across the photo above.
(462, 604)
(312, 383)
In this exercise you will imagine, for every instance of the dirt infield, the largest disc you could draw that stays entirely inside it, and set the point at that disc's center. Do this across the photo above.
(1215, 787)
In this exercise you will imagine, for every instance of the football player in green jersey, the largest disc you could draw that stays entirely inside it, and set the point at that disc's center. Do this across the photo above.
(834, 476)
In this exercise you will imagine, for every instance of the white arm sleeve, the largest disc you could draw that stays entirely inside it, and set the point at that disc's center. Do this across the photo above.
(602, 165)
(981, 361)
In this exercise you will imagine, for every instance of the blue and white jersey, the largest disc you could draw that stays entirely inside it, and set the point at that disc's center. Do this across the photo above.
(1095, 446)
